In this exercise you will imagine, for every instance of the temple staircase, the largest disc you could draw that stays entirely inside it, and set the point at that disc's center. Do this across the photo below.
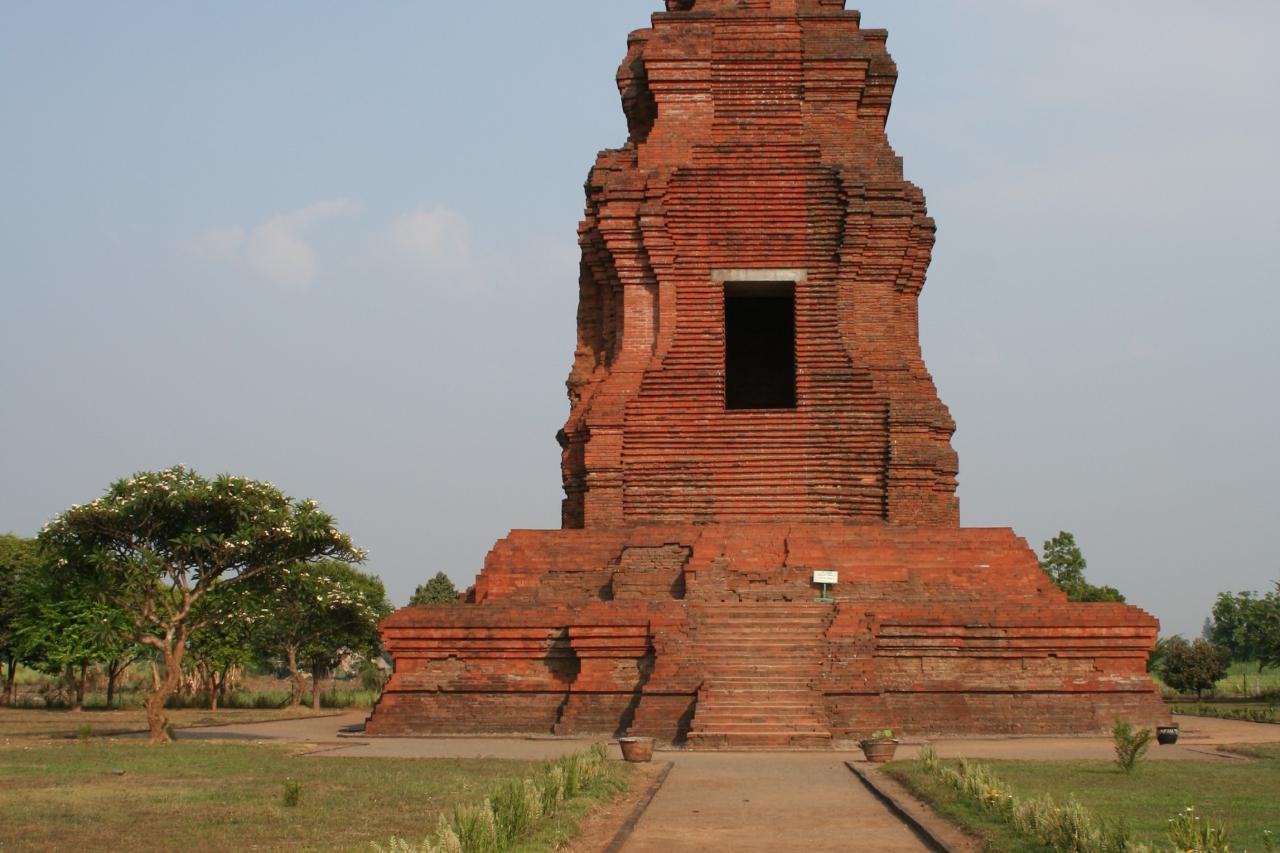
(762, 661)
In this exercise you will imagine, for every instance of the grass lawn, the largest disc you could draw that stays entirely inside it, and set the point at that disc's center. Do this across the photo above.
(213, 796)
(1242, 681)
(947, 803)
(1242, 794)
(1248, 679)
(24, 723)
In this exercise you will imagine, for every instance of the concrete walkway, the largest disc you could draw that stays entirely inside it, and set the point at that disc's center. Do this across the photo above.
(766, 802)
(339, 736)
(1199, 740)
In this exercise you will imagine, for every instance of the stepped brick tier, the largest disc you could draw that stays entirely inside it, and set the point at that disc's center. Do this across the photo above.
(749, 404)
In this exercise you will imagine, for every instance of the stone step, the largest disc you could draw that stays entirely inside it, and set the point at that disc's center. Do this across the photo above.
(758, 740)
(726, 648)
(723, 721)
(760, 614)
(741, 664)
(747, 674)
(740, 683)
(789, 629)
(780, 657)
(762, 708)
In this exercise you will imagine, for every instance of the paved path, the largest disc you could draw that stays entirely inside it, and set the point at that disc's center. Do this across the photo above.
(766, 802)
(339, 736)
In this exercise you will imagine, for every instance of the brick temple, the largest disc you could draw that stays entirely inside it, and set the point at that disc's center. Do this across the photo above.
(749, 405)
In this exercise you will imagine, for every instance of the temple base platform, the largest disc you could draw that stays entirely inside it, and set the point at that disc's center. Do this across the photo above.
(711, 636)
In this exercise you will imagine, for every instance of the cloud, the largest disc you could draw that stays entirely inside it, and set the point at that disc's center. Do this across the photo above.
(436, 241)
(275, 249)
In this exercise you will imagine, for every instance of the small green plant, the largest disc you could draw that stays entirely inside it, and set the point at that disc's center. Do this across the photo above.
(513, 813)
(1189, 831)
(1268, 841)
(476, 828)
(292, 794)
(84, 733)
(928, 760)
(882, 734)
(499, 822)
(1131, 745)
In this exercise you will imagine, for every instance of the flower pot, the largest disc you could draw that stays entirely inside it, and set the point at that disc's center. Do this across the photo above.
(879, 750)
(636, 749)
(1167, 735)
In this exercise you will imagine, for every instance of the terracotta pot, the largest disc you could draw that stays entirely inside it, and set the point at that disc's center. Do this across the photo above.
(879, 750)
(1167, 735)
(636, 749)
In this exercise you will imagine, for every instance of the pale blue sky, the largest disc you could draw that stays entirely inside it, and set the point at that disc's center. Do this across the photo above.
(333, 245)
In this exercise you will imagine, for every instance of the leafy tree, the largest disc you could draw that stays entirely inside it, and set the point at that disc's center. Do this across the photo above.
(1193, 666)
(18, 559)
(1064, 563)
(158, 542)
(66, 626)
(1156, 659)
(310, 615)
(225, 641)
(1238, 622)
(1268, 631)
(438, 590)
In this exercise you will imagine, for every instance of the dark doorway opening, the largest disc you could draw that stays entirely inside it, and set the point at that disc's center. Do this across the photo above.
(760, 345)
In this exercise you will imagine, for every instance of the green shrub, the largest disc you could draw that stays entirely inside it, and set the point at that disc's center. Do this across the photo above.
(1189, 831)
(476, 828)
(552, 788)
(1130, 744)
(1270, 714)
(292, 794)
(512, 812)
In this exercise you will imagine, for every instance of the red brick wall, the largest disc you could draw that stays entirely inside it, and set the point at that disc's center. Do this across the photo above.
(757, 142)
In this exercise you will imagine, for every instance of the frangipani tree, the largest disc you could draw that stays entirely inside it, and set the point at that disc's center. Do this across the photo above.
(310, 615)
(225, 641)
(158, 542)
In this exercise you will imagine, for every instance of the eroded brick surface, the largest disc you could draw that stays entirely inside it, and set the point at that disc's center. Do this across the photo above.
(677, 601)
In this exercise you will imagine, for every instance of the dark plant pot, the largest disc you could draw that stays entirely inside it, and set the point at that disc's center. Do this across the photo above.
(879, 750)
(637, 749)
(1166, 735)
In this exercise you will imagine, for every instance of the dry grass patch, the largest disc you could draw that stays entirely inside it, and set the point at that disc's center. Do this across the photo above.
(214, 796)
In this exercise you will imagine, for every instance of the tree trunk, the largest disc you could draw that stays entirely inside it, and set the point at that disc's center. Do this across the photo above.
(114, 668)
(72, 688)
(157, 721)
(317, 675)
(10, 681)
(296, 679)
(80, 685)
